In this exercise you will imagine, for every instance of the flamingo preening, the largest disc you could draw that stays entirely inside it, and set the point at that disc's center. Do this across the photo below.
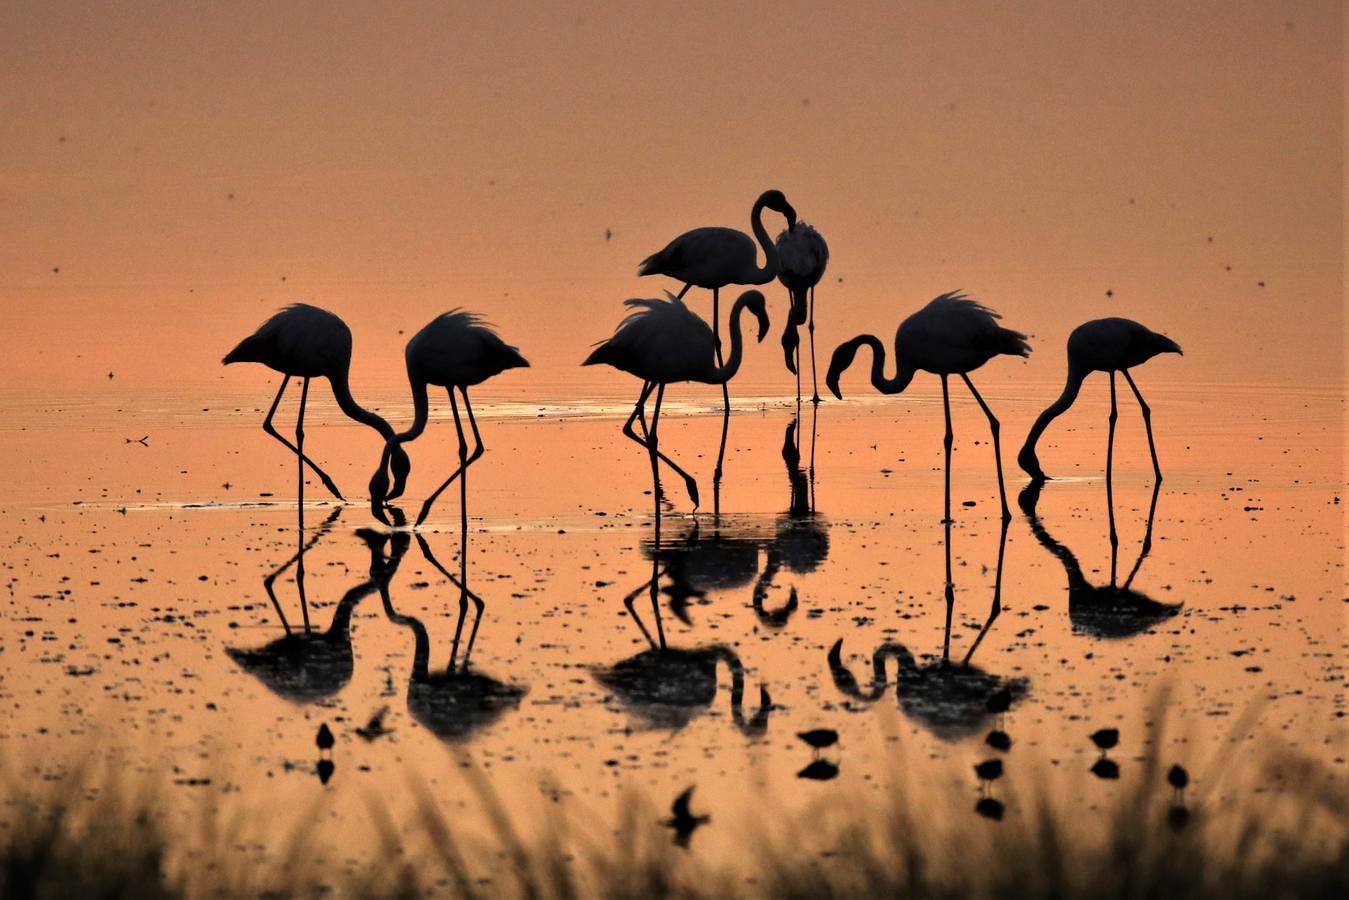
(952, 335)
(663, 342)
(303, 341)
(715, 258)
(1101, 345)
(455, 351)
(803, 256)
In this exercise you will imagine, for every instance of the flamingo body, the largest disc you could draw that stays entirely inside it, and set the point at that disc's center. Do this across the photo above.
(457, 349)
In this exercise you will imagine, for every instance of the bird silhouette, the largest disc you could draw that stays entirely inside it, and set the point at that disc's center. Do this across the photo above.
(457, 350)
(682, 821)
(700, 564)
(999, 740)
(990, 808)
(303, 341)
(375, 728)
(715, 258)
(952, 335)
(1101, 345)
(803, 256)
(324, 739)
(1105, 738)
(989, 770)
(663, 342)
(1178, 778)
(819, 770)
(1105, 769)
(819, 738)
(1103, 611)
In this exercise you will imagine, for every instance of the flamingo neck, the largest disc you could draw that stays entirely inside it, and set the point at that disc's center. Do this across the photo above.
(772, 265)
(903, 373)
(1027, 457)
(726, 372)
(353, 410)
(420, 411)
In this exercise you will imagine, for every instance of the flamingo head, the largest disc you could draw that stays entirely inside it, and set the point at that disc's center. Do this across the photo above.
(777, 201)
(839, 363)
(753, 301)
(1163, 344)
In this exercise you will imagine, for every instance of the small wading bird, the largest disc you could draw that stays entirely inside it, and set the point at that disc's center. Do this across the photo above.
(682, 821)
(803, 256)
(457, 350)
(819, 738)
(715, 258)
(303, 341)
(663, 342)
(1101, 345)
(952, 335)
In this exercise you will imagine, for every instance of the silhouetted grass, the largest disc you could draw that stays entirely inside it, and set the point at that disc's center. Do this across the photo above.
(1287, 837)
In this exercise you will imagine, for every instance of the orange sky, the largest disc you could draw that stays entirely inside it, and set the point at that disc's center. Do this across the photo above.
(177, 164)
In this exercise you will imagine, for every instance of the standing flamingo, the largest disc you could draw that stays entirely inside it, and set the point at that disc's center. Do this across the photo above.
(303, 341)
(952, 335)
(456, 350)
(803, 256)
(1101, 345)
(714, 258)
(663, 342)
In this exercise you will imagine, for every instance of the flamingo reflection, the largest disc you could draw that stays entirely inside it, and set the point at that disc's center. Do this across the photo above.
(1111, 610)
(949, 699)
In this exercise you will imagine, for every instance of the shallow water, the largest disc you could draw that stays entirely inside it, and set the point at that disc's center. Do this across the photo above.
(139, 623)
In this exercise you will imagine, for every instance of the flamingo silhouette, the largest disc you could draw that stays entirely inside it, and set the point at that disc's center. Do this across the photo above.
(456, 350)
(303, 341)
(952, 335)
(663, 342)
(1101, 345)
(1109, 610)
(803, 256)
(715, 258)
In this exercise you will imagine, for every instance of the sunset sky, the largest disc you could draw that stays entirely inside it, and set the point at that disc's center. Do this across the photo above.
(172, 173)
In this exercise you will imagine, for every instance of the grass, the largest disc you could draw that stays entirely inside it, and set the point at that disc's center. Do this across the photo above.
(1286, 836)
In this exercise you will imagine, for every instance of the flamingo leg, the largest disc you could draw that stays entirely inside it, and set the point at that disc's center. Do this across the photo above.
(639, 416)
(814, 379)
(950, 439)
(725, 405)
(271, 430)
(950, 596)
(299, 503)
(463, 457)
(1147, 537)
(995, 427)
(653, 447)
(996, 608)
(1109, 480)
(1147, 423)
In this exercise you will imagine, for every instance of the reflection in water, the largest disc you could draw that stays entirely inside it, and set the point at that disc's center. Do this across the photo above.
(728, 559)
(667, 686)
(456, 702)
(306, 665)
(1107, 611)
(952, 700)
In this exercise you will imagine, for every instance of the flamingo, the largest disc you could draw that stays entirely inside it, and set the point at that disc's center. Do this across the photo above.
(303, 341)
(663, 342)
(1101, 345)
(803, 256)
(456, 350)
(952, 335)
(715, 258)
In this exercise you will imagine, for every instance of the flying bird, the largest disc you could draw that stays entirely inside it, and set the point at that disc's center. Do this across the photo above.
(305, 342)
(663, 342)
(682, 821)
(1101, 345)
(803, 256)
(952, 335)
(456, 351)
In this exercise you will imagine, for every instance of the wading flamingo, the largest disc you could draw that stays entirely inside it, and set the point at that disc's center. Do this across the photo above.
(1101, 345)
(715, 258)
(803, 256)
(663, 342)
(303, 341)
(952, 335)
(456, 350)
